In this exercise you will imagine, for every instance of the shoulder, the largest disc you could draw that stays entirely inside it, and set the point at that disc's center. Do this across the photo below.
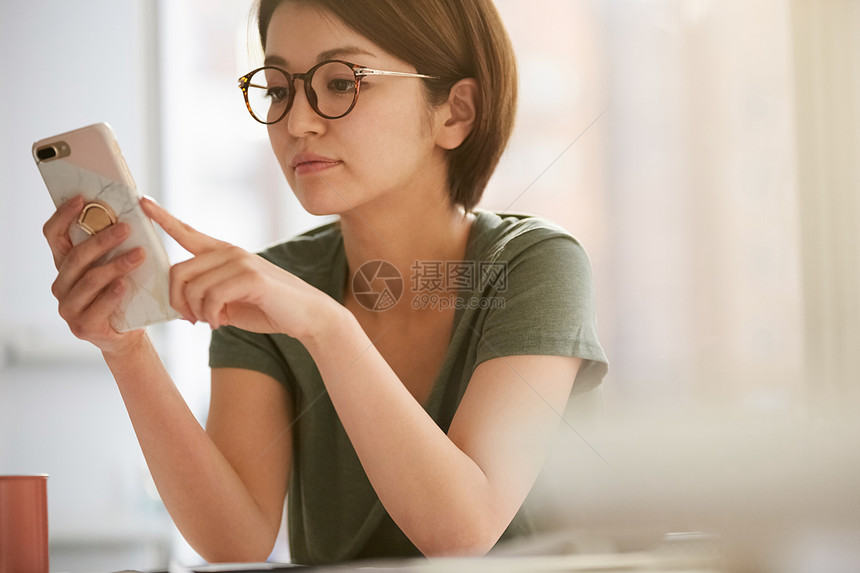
(512, 236)
(308, 254)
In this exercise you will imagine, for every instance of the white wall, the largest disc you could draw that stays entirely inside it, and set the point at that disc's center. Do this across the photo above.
(67, 64)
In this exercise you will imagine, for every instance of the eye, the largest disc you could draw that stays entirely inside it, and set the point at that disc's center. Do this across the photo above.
(345, 86)
(278, 93)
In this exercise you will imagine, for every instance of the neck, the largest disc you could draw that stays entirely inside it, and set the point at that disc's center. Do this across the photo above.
(403, 230)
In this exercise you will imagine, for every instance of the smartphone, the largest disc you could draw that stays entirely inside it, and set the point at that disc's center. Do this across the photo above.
(88, 162)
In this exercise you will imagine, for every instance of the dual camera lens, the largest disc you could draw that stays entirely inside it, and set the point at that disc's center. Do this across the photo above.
(53, 151)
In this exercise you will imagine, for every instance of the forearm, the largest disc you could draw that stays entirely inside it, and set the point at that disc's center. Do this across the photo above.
(203, 494)
(435, 493)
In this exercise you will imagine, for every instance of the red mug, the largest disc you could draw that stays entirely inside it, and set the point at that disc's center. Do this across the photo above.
(24, 524)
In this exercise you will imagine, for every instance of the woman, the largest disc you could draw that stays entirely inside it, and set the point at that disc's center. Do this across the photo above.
(399, 372)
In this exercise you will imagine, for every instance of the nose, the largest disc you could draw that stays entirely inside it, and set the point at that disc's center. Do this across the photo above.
(302, 120)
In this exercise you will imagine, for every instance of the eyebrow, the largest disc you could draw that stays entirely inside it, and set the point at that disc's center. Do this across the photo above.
(332, 54)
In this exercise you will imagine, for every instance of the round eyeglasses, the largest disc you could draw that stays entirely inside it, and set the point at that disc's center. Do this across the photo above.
(331, 87)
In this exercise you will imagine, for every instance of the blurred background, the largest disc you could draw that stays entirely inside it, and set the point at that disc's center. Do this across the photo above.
(705, 152)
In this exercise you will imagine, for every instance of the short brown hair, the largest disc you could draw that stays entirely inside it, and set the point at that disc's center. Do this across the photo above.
(450, 39)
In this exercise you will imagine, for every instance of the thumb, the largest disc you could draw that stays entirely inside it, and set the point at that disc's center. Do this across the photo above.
(189, 238)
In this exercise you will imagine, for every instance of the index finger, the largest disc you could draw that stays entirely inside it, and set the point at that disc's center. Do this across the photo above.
(56, 229)
(187, 236)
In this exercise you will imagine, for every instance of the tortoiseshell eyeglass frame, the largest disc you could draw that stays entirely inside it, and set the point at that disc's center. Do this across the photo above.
(358, 71)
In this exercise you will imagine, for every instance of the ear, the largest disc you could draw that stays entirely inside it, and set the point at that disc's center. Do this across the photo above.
(456, 117)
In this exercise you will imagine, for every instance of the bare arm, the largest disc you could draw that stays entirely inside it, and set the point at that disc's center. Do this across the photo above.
(451, 494)
(226, 503)
(224, 489)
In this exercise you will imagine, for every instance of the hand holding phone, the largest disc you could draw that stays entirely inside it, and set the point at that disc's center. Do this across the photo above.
(88, 162)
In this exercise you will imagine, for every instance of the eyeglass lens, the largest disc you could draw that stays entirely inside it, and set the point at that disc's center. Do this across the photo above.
(330, 90)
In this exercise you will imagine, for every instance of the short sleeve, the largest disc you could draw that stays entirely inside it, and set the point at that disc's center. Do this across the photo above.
(544, 305)
(232, 347)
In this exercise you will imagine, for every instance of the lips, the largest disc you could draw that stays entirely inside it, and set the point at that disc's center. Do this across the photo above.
(310, 162)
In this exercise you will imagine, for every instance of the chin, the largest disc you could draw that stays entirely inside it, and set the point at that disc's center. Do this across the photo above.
(322, 203)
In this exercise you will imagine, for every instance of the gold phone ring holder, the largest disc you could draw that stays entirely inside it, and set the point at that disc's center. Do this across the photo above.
(95, 217)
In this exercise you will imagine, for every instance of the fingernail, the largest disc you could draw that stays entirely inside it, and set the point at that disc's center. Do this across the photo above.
(135, 255)
(75, 202)
(147, 200)
(119, 230)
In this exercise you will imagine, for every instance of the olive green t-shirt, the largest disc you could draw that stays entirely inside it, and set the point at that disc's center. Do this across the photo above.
(524, 287)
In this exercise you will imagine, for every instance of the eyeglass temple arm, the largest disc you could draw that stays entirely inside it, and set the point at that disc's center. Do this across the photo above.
(244, 82)
(372, 72)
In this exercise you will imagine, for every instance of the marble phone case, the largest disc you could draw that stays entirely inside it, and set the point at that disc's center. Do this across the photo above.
(92, 165)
